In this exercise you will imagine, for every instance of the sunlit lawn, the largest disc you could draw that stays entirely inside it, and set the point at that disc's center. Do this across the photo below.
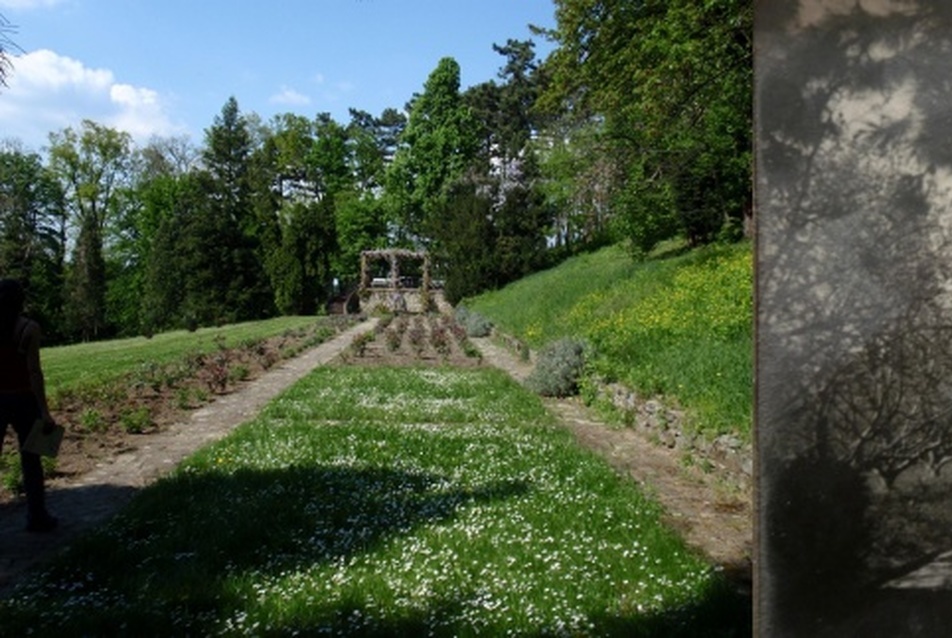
(87, 363)
(386, 502)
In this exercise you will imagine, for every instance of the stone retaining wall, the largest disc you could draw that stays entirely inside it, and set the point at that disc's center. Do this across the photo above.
(727, 455)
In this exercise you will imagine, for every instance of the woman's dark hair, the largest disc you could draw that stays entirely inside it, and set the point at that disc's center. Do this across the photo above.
(11, 305)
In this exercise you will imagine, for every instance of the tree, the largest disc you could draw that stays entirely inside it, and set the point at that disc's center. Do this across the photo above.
(227, 149)
(292, 138)
(389, 129)
(517, 119)
(5, 45)
(464, 258)
(164, 156)
(141, 298)
(520, 219)
(33, 235)
(302, 267)
(327, 159)
(373, 142)
(360, 224)
(669, 84)
(437, 146)
(93, 166)
(576, 178)
(240, 273)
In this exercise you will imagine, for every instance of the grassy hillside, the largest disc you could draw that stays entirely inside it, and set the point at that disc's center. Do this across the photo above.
(679, 324)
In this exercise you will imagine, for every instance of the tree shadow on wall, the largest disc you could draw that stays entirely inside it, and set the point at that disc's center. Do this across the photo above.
(854, 265)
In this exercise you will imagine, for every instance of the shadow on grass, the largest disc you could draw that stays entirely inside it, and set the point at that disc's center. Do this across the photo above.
(180, 557)
(721, 611)
(173, 549)
(79, 508)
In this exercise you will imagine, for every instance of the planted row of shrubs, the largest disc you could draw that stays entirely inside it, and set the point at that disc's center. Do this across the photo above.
(131, 400)
(417, 334)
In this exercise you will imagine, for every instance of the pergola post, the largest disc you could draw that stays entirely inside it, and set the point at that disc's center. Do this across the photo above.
(364, 276)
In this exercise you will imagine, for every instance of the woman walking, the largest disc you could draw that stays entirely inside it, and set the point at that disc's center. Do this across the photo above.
(23, 396)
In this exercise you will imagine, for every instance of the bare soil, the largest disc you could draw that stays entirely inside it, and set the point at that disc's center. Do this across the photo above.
(711, 515)
(109, 419)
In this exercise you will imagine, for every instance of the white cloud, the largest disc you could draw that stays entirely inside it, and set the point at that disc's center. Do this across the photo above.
(289, 97)
(48, 92)
(44, 72)
(28, 4)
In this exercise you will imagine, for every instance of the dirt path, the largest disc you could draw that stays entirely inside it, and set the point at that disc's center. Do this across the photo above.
(710, 518)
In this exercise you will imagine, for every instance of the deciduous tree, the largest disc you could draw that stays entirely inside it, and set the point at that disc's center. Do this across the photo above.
(93, 165)
(437, 146)
(669, 83)
(33, 235)
(239, 273)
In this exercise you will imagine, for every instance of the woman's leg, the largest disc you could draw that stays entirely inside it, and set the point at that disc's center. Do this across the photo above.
(38, 519)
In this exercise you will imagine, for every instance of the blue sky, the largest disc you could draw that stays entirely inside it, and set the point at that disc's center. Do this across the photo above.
(166, 67)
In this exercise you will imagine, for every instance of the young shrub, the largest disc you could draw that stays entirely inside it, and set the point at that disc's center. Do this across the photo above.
(475, 324)
(216, 374)
(361, 341)
(416, 334)
(240, 372)
(92, 420)
(472, 351)
(384, 322)
(440, 340)
(136, 421)
(393, 338)
(183, 399)
(558, 369)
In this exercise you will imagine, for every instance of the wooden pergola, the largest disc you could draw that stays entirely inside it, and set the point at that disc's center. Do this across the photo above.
(393, 256)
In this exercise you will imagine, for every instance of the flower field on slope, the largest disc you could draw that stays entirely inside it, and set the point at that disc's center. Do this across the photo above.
(383, 501)
(679, 326)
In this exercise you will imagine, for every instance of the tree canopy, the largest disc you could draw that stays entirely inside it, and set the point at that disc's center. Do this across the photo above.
(635, 128)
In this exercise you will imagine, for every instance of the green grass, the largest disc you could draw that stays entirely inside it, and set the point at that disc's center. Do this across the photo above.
(101, 361)
(534, 308)
(385, 502)
(679, 324)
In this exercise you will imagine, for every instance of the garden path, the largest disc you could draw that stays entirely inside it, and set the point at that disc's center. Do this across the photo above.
(95, 496)
(711, 515)
(714, 520)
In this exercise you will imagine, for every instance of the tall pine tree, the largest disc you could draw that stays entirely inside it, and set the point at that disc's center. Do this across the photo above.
(237, 271)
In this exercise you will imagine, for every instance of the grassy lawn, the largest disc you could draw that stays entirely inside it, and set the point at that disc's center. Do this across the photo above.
(96, 362)
(679, 324)
(382, 502)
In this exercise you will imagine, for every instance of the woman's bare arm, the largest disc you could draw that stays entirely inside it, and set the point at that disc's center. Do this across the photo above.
(31, 340)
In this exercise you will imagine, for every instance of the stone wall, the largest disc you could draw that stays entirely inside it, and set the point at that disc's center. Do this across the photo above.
(727, 455)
